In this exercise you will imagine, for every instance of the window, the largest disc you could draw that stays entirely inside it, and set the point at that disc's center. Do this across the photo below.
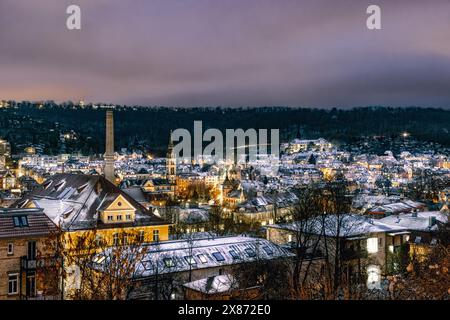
(234, 254)
(110, 218)
(141, 236)
(190, 260)
(119, 217)
(156, 235)
(250, 252)
(10, 249)
(98, 240)
(24, 221)
(218, 256)
(128, 217)
(268, 250)
(20, 221)
(13, 280)
(31, 253)
(116, 239)
(372, 245)
(168, 262)
(202, 258)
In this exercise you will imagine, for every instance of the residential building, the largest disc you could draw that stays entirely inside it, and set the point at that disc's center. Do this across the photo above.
(24, 248)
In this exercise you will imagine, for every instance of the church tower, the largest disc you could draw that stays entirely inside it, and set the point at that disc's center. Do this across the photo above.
(171, 163)
(109, 147)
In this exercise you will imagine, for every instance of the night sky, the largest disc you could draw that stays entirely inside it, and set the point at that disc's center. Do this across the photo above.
(311, 53)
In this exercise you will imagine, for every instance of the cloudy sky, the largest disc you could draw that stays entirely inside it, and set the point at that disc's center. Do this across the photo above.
(315, 53)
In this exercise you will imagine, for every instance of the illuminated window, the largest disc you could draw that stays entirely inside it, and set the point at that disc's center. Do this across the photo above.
(168, 262)
(155, 235)
(141, 236)
(202, 258)
(98, 240)
(372, 245)
(190, 260)
(373, 277)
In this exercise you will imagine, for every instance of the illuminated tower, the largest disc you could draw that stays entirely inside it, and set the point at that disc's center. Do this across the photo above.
(109, 147)
(171, 163)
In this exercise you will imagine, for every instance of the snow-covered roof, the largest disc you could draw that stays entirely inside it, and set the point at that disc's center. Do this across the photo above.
(420, 221)
(193, 215)
(346, 225)
(402, 206)
(184, 255)
(213, 285)
(72, 201)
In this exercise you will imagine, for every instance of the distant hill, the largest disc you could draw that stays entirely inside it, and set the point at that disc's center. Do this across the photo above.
(148, 127)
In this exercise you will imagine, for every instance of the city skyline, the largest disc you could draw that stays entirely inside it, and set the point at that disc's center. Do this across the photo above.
(252, 53)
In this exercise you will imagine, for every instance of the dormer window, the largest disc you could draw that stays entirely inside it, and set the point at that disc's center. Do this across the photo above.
(20, 221)
(168, 262)
(47, 184)
(59, 185)
(82, 188)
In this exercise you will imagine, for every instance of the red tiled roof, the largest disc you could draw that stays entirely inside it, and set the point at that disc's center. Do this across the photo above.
(38, 223)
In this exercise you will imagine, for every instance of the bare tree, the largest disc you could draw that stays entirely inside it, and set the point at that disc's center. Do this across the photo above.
(271, 277)
(89, 268)
(427, 279)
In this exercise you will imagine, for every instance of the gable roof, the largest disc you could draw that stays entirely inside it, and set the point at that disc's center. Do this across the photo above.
(72, 201)
(38, 223)
(344, 226)
(205, 253)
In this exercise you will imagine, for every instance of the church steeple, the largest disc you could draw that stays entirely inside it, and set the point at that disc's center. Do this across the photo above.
(171, 164)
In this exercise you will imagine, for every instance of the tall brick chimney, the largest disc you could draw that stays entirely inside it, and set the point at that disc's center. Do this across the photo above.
(109, 148)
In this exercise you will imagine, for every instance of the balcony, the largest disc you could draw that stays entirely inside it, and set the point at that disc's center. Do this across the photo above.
(28, 264)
